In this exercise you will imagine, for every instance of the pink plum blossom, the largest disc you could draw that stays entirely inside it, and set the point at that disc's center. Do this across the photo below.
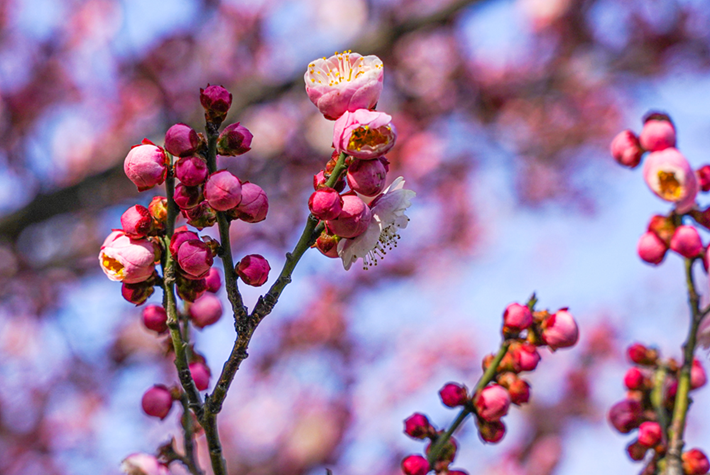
(344, 82)
(181, 140)
(325, 203)
(686, 241)
(492, 402)
(560, 330)
(195, 258)
(146, 165)
(191, 171)
(234, 140)
(136, 222)
(127, 260)
(367, 177)
(223, 191)
(669, 175)
(353, 220)
(364, 134)
(658, 133)
(254, 205)
(525, 356)
(143, 464)
(517, 317)
(651, 249)
(381, 233)
(626, 150)
(180, 236)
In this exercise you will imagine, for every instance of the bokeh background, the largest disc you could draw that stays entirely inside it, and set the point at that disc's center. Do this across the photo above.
(505, 109)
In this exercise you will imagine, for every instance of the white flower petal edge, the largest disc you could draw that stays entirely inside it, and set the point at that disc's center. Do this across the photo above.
(381, 235)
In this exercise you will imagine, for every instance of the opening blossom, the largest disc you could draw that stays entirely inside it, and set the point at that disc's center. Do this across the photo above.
(127, 260)
(669, 175)
(364, 134)
(344, 82)
(381, 234)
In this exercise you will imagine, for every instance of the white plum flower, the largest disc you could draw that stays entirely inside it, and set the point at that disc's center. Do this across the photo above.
(382, 233)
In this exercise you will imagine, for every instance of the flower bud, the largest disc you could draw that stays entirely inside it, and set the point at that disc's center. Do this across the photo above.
(181, 140)
(491, 431)
(143, 464)
(179, 237)
(190, 290)
(415, 465)
(195, 259)
(157, 401)
(650, 434)
(320, 179)
(364, 134)
(254, 205)
(146, 165)
(253, 270)
(325, 203)
(216, 101)
(138, 293)
(223, 191)
(492, 402)
(669, 175)
(519, 391)
(560, 330)
(663, 227)
(698, 378)
(695, 462)
(137, 222)
(525, 356)
(205, 311)
(213, 281)
(641, 355)
(453, 395)
(158, 209)
(651, 249)
(327, 244)
(187, 197)
(626, 150)
(367, 177)
(458, 472)
(417, 426)
(626, 415)
(201, 216)
(516, 318)
(155, 318)
(703, 176)
(353, 220)
(635, 379)
(686, 241)
(127, 260)
(191, 171)
(636, 451)
(658, 133)
(201, 375)
(234, 140)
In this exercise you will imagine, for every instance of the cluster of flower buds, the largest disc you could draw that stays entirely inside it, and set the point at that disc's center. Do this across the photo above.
(524, 331)
(362, 222)
(650, 374)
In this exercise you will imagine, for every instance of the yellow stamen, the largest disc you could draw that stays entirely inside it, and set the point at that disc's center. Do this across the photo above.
(112, 265)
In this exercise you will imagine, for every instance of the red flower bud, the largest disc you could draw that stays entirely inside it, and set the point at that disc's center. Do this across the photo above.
(626, 150)
(415, 465)
(137, 222)
(223, 191)
(492, 403)
(213, 281)
(367, 177)
(234, 140)
(216, 101)
(417, 426)
(658, 133)
(253, 270)
(525, 356)
(181, 140)
(641, 355)
(201, 216)
(695, 462)
(254, 205)
(626, 415)
(635, 379)
(146, 165)
(698, 378)
(157, 401)
(191, 171)
(137, 293)
(516, 318)
(195, 259)
(636, 451)
(187, 197)
(325, 203)
(650, 434)
(491, 431)
(703, 174)
(205, 311)
(155, 318)
(453, 395)
(201, 375)
(686, 241)
(560, 330)
(353, 220)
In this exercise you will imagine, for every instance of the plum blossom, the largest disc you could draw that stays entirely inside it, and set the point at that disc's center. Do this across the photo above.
(381, 234)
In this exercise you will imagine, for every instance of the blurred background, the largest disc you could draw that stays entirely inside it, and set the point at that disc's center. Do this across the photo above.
(505, 110)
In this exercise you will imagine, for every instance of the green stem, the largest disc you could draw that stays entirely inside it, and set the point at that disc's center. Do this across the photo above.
(189, 431)
(657, 393)
(682, 401)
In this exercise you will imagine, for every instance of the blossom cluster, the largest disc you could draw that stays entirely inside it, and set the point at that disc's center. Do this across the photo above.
(363, 222)
(651, 376)
(524, 331)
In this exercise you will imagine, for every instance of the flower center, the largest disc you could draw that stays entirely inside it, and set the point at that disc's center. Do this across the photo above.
(669, 186)
(365, 136)
(387, 242)
(112, 265)
(337, 69)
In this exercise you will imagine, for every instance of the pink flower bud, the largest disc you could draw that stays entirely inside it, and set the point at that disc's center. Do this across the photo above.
(641, 355)
(137, 293)
(560, 330)
(157, 401)
(216, 101)
(634, 379)
(155, 318)
(352, 220)
(223, 191)
(364, 134)
(191, 171)
(695, 462)
(234, 140)
(453, 395)
(491, 431)
(686, 241)
(205, 311)
(127, 260)
(650, 434)
(669, 175)
(698, 378)
(190, 290)
(180, 236)
(146, 165)
(143, 464)
(213, 281)
(626, 150)
(201, 375)
(651, 249)
(137, 222)
(367, 177)
(492, 403)
(187, 197)
(325, 203)
(658, 133)
(201, 216)
(417, 426)
(253, 270)
(195, 259)
(344, 82)
(626, 415)
(254, 205)
(181, 140)
(636, 451)
(415, 465)
(703, 176)
(516, 318)
(525, 356)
